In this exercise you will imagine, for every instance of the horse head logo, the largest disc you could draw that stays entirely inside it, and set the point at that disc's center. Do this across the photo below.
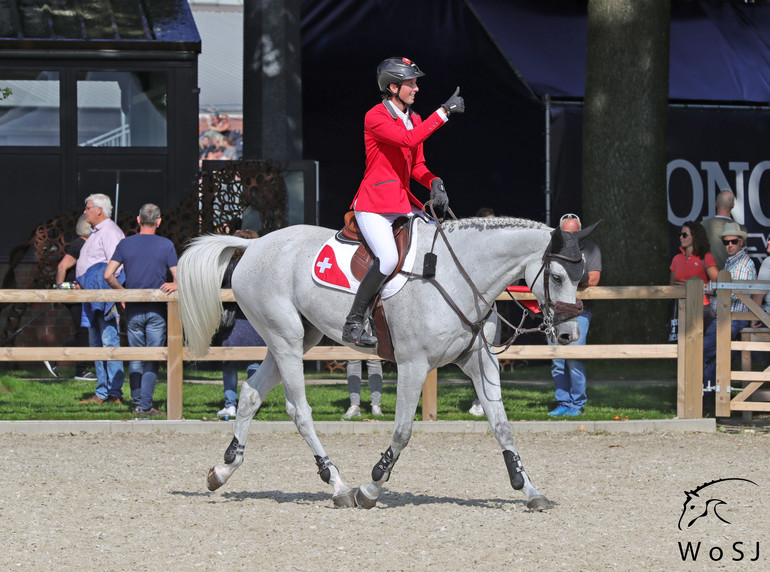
(697, 505)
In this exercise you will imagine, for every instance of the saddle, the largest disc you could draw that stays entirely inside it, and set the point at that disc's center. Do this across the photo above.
(363, 258)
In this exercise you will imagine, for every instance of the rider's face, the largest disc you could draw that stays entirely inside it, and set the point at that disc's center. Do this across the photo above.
(408, 90)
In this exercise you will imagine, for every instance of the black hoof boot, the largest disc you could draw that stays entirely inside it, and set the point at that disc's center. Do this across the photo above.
(354, 332)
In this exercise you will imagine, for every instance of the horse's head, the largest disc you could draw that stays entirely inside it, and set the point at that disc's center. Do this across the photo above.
(554, 280)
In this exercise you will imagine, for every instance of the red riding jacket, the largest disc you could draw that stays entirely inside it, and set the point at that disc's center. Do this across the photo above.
(393, 157)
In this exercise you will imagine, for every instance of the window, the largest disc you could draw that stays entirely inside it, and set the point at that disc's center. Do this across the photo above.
(122, 109)
(30, 115)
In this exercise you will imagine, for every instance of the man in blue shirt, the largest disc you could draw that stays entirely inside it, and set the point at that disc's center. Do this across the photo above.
(146, 259)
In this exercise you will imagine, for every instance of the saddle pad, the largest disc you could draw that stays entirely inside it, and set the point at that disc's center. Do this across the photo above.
(331, 267)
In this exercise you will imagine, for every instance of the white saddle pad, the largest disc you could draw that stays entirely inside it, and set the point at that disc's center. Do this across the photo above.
(331, 266)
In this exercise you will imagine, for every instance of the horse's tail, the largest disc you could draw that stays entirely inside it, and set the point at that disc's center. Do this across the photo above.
(200, 272)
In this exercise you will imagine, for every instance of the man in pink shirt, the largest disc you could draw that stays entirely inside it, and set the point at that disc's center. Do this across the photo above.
(103, 322)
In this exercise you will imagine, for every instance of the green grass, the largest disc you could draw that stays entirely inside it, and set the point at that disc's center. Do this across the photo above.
(527, 393)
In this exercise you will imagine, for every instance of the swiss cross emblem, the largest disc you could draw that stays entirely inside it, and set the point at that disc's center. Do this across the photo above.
(326, 268)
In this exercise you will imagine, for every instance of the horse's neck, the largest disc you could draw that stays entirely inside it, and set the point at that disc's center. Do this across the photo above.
(495, 257)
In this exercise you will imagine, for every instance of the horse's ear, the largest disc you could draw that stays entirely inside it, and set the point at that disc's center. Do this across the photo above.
(581, 234)
(557, 240)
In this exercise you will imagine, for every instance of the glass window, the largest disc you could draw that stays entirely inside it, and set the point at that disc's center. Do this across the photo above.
(30, 113)
(122, 109)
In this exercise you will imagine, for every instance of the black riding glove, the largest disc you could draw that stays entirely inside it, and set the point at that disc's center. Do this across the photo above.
(454, 104)
(439, 197)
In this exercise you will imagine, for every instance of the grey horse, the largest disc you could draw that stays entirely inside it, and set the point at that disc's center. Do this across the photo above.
(477, 260)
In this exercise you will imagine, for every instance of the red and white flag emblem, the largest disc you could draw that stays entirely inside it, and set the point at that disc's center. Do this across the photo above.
(327, 270)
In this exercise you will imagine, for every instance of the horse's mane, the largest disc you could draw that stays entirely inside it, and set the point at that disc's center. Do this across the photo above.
(483, 223)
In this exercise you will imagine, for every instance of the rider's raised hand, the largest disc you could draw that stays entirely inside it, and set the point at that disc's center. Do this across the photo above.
(454, 104)
(439, 197)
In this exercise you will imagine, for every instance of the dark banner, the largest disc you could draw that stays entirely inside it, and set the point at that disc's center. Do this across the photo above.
(710, 150)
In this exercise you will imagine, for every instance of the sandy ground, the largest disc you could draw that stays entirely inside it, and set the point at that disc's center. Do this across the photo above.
(139, 502)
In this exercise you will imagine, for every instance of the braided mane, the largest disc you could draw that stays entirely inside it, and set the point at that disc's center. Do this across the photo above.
(484, 223)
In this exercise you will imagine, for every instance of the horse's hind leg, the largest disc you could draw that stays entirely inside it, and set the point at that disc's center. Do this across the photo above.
(482, 367)
(293, 373)
(253, 394)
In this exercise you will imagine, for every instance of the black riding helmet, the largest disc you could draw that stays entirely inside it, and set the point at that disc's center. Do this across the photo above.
(396, 70)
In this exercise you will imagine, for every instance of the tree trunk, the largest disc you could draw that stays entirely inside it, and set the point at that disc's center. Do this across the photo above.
(624, 159)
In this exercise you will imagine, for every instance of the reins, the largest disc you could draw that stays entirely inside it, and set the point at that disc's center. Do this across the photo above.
(567, 310)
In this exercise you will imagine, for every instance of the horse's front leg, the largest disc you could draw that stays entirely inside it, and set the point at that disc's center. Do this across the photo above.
(482, 367)
(253, 394)
(411, 378)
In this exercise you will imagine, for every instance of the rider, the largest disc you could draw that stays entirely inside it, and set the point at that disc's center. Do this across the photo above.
(393, 136)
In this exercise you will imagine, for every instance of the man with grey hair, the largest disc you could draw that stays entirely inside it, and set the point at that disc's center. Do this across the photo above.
(569, 375)
(714, 226)
(147, 260)
(102, 318)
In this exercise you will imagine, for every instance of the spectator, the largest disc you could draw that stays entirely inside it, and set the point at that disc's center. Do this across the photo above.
(694, 260)
(570, 375)
(741, 267)
(374, 372)
(235, 331)
(763, 274)
(147, 259)
(229, 152)
(65, 272)
(102, 318)
(713, 226)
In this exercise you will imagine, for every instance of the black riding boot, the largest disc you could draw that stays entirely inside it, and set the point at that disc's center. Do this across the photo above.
(354, 329)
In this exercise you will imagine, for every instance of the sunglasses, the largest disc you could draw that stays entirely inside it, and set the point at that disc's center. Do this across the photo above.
(732, 241)
(568, 216)
(684, 234)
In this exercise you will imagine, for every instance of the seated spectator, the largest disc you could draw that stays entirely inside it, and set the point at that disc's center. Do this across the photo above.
(741, 267)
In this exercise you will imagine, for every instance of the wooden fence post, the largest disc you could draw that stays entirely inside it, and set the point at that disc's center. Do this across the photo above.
(174, 363)
(724, 340)
(690, 405)
(430, 397)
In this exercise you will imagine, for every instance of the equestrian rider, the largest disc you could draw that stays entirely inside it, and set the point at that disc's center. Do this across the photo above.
(393, 136)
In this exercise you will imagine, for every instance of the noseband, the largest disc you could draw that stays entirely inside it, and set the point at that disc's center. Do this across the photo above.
(566, 310)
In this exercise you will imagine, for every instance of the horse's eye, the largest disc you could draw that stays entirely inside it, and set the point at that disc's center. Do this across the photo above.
(557, 279)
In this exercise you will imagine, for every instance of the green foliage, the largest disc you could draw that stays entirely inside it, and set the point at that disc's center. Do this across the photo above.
(5, 92)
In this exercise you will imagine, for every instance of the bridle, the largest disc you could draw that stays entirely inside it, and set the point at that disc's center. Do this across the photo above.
(549, 309)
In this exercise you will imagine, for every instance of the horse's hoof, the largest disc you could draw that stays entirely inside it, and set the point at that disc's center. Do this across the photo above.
(364, 501)
(214, 481)
(345, 500)
(538, 503)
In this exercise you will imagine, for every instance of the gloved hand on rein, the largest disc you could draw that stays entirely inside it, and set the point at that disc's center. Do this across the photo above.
(454, 104)
(439, 197)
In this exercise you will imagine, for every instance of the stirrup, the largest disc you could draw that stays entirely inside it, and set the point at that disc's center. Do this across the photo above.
(354, 332)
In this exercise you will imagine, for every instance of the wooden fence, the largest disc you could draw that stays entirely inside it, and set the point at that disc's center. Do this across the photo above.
(688, 351)
(759, 340)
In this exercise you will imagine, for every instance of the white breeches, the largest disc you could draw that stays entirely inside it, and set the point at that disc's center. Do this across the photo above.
(377, 229)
